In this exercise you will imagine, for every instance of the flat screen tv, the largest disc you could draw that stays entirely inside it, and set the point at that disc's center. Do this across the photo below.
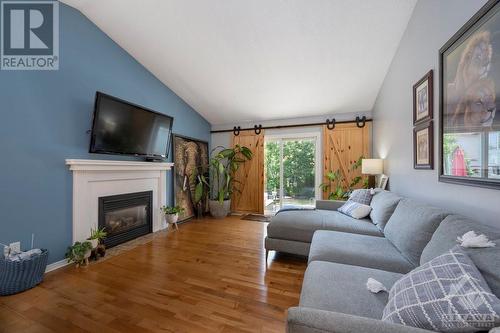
(120, 127)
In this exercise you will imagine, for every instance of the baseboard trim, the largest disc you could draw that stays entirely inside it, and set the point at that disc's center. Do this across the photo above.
(56, 265)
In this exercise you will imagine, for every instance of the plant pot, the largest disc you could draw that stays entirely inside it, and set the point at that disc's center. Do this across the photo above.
(199, 210)
(85, 259)
(171, 218)
(219, 210)
(94, 243)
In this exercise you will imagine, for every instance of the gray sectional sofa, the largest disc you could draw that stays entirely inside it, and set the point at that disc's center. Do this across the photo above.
(343, 253)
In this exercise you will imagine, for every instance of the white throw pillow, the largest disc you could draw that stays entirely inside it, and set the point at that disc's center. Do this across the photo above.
(355, 209)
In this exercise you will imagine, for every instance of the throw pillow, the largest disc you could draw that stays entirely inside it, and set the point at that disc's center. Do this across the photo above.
(355, 209)
(445, 238)
(446, 294)
(363, 196)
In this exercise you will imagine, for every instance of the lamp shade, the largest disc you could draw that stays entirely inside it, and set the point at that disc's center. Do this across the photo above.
(372, 166)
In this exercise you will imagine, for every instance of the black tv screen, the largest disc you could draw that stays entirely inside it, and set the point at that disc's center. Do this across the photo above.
(121, 127)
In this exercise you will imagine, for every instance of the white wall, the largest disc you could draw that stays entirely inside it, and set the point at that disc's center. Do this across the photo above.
(220, 139)
(433, 22)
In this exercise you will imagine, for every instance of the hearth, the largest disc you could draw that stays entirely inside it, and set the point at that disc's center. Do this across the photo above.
(125, 216)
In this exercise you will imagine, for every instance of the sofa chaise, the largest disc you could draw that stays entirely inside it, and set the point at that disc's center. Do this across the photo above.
(292, 231)
(342, 256)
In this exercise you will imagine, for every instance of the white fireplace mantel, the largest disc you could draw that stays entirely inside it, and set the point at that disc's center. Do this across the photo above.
(104, 165)
(93, 179)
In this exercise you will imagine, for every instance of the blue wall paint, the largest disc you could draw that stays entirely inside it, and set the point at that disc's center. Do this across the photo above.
(44, 116)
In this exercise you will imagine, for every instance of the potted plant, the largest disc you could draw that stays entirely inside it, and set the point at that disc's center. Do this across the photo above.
(96, 236)
(223, 167)
(171, 213)
(79, 253)
(201, 191)
(338, 186)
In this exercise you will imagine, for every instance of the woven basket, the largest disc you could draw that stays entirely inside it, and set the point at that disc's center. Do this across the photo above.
(17, 276)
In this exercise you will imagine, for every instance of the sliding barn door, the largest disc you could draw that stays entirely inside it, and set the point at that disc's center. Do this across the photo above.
(250, 175)
(342, 147)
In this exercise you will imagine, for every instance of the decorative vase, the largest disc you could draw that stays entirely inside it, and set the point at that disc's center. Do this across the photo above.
(219, 210)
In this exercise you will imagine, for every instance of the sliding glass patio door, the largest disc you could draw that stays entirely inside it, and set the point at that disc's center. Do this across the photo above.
(291, 172)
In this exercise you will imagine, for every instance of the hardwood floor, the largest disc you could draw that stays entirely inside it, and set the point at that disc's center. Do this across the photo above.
(209, 276)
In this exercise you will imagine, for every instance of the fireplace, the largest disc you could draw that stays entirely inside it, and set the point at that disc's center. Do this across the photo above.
(125, 216)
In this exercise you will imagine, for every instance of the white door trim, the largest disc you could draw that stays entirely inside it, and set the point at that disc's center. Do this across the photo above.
(317, 136)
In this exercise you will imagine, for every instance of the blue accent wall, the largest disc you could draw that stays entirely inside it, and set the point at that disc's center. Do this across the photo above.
(44, 118)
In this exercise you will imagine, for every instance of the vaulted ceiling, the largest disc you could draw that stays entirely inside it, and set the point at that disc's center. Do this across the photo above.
(254, 60)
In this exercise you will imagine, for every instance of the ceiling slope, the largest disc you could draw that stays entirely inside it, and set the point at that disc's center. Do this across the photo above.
(236, 61)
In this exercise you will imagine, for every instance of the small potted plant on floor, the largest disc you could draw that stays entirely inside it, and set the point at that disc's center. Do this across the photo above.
(97, 236)
(171, 214)
(79, 253)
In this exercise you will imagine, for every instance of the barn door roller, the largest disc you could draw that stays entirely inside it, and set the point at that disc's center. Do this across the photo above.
(330, 124)
(361, 122)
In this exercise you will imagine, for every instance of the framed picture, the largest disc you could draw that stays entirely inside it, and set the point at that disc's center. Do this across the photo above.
(190, 159)
(382, 181)
(423, 101)
(423, 143)
(469, 132)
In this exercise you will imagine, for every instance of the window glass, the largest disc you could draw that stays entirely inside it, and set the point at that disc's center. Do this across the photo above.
(494, 155)
(463, 154)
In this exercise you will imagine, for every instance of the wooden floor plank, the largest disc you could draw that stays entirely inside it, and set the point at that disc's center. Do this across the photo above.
(210, 276)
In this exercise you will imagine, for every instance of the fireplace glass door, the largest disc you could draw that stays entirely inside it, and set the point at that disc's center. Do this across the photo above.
(125, 216)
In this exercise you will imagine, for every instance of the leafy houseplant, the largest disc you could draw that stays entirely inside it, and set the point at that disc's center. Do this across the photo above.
(97, 236)
(223, 167)
(202, 189)
(171, 213)
(79, 253)
(338, 186)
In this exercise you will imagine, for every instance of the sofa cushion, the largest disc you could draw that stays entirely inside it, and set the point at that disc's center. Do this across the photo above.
(447, 293)
(358, 250)
(486, 260)
(383, 205)
(411, 226)
(355, 209)
(301, 225)
(445, 238)
(453, 226)
(334, 287)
